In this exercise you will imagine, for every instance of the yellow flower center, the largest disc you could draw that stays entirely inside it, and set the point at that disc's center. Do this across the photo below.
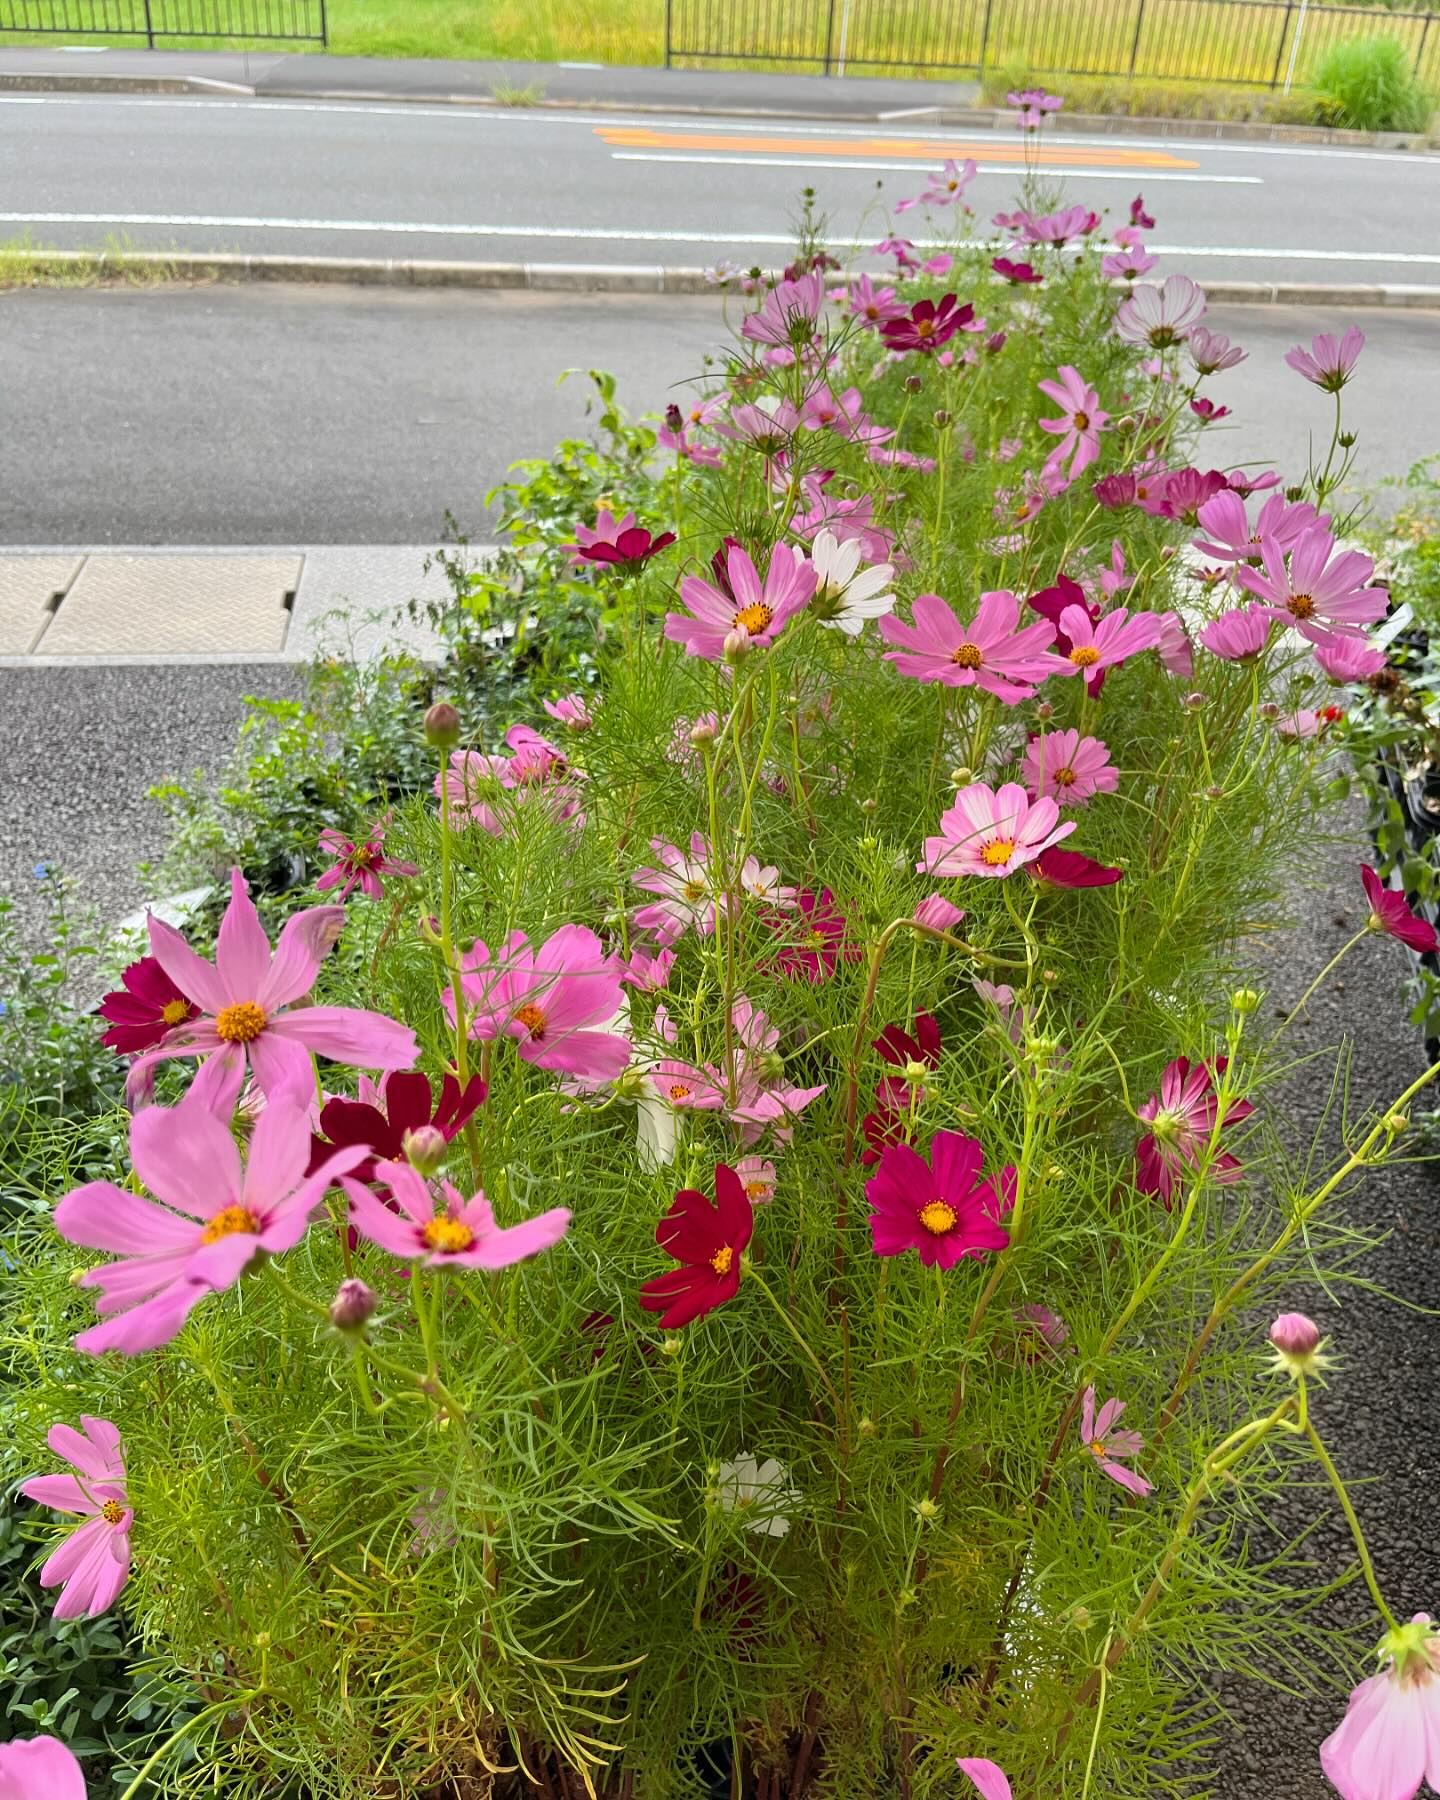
(937, 1218)
(241, 1023)
(447, 1234)
(1081, 421)
(1084, 655)
(998, 852)
(1063, 777)
(227, 1222)
(720, 1262)
(175, 1012)
(693, 890)
(1300, 606)
(759, 1190)
(968, 656)
(112, 1512)
(754, 618)
(1096, 1447)
(532, 1019)
(924, 327)
(679, 1092)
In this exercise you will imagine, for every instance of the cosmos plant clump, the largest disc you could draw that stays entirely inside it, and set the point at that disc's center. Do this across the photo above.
(730, 1248)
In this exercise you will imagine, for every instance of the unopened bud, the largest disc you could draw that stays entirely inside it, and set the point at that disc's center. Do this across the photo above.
(1296, 1342)
(866, 1427)
(353, 1305)
(1214, 793)
(869, 805)
(1395, 1123)
(941, 417)
(1347, 440)
(671, 1344)
(674, 418)
(915, 1072)
(927, 1510)
(425, 1148)
(737, 647)
(702, 732)
(961, 777)
(1267, 709)
(442, 726)
(1244, 1000)
(1045, 710)
(1194, 702)
(1293, 494)
(913, 384)
(869, 844)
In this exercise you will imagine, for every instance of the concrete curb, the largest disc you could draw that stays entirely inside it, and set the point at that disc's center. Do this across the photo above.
(596, 278)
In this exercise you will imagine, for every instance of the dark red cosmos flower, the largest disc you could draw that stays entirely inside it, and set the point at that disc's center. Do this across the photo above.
(708, 1242)
(1018, 274)
(1051, 602)
(1390, 913)
(720, 566)
(812, 944)
(1113, 491)
(1208, 412)
(927, 325)
(1069, 869)
(143, 1009)
(1186, 491)
(1138, 214)
(900, 1049)
(406, 1105)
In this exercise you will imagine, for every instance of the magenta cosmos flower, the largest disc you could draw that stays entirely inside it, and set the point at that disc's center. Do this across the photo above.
(358, 865)
(1069, 869)
(993, 652)
(1238, 636)
(1390, 913)
(1101, 1436)
(944, 1209)
(709, 1244)
(450, 1232)
(91, 1566)
(1079, 425)
(620, 542)
(1161, 316)
(1330, 361)
(39, 1768)
(989, 1778)
(788, 313)
(145, 1006)
(216, 1216)
(993, 832)
(1319, 593)
(1018, 274)
(571, 710)
(245, 1003)
(758, 613)
(1388, 1744)
(1109, 640)
(1069, 768)
(812, 937)
(927, 325)
(1182, 1120)
(556, 1000)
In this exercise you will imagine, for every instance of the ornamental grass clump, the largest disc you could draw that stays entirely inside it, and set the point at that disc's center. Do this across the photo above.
(645, 1294)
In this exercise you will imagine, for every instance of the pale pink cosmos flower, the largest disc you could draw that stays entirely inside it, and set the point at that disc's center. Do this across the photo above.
(788, 313)
(92, 1564)
(1101, 1435)
(767, 424)
(1347, 658)
(874, 305)
(1069, 768)
(1307, 722)
(988, 1777)
(994, 652)
(1212, 350)
(763, 1097)
(1128, 264)
(1330, 361)
(558, 1000)
(358, 865)
(40, 1768)
(993, 832)
(844, 414)
(844, 517)
(1388, 1744)
(937, 912)
(688, 1088)
(216, 1216)
(1101, 644)
(1079, 425)
(1115, 579)
(571, 710)
(1230, 538)
(247, 1013)
(1173, 645)
(1237, 636)
(447, 1231)
(1058, 228)
(1320, 593)
(1161, 316)
(685, 885)
(944, 188)
(758, 613)
(758, 1178)
(762, 882)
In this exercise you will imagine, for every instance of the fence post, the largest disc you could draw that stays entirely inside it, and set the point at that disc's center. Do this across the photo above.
(669, 9)
(1280, 47)
(149, 28)
(829, 36)
(324, 27)
(984, 40)
(1420, 53)
(1135, 41)
(1295, 44)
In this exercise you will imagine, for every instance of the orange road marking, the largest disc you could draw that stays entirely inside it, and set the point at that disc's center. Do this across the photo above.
(643, 137)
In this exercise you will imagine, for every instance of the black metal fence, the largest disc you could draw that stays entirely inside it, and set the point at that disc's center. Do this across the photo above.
(1256, 43)
(300, 21)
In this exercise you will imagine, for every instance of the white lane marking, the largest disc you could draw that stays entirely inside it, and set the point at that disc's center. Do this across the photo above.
(916, 169)
(590, 121)
(632, 235)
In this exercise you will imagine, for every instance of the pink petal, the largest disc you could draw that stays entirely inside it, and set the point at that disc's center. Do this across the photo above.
(242, 950)
(102, 1216)
(219, 1079)
(282, 1067)
(147, 1326)
(305, 940)
(62, 1492)
(380, 1225)
(989, 1777)
(1137, 1484)
(186, 1157)
(195, 978)
(279, 1156)
(365, 1040)
(40, 1765)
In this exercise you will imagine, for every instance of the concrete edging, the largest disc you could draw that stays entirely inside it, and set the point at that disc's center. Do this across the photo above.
(596, 278)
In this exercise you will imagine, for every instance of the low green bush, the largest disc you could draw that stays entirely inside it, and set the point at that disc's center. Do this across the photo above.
(1368, 84)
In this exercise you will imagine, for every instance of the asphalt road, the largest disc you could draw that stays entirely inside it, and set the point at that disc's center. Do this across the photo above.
(343, 178)
(292, 415)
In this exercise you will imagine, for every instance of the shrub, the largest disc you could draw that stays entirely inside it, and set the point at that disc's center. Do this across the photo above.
(1368, 84)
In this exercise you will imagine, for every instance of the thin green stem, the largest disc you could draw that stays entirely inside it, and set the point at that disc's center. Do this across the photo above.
(153, 1761)
(794, 1331)
(1362, 1549)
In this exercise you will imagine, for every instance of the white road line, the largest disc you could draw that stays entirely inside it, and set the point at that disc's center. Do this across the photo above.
(1132, 175)
(633, 235)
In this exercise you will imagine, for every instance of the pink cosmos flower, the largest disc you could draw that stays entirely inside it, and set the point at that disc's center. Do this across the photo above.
(992, 653)
(928, 325)
(912, 1056)
(758, 1179)
(1115, 491)
(1018, 274)
(92, 1564)
(993, 833)
(789, 312)
(1079, 425)
(1229, 536)
(763, 1096)
(873, 305)
(143, 1009)
(1390, 913)
(1185, 492)
(1161, 316)
(572, 710)
(1127, 265)
(767, 424)
(359, 865)
(482, 788)
(1307, 722)
(215, 1220)
(1110, 640)
(1069, 869)
(846, 519)
(687, 1088)
(1042, 1332)
(649, 971)
(1330, 361)
(944, 189)
(1347, 658)
(1138, 215)
(619, 542)
(1032, 105)
(763, 883)
(556, 1000)
(936, 911)
(989, 1777)
(1173, 645)
(902, 250)
(758, 613)
(1315, 594)
(687, 897)
(1182, 1119)
(39, 1768)
(813, 939)
(1388, 1744)
(246, 1012)
(1238, 636)
(674, 437)
(448, 1232)
(1058, 228)
(1068, 767)
(944, 1209)
(1101, 1436)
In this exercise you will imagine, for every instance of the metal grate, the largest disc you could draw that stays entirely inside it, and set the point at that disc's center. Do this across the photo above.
(290, 21)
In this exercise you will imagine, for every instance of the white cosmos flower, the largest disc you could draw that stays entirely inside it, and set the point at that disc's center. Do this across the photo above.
(1160, 316)
(845, 594)
(760, 1492)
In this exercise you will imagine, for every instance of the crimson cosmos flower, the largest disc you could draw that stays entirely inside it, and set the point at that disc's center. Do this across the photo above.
(143, 1008)
(708, 1243)
(1390, 913)
(814, 943)
(1071, 869)
(892, 1092)
(1018, 274)
(621, 542)
(927, 325)
(381, 1121)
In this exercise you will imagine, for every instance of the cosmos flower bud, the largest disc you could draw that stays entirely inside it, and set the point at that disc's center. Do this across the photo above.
(672, 1344)
(1244, 1000)
(736, 647)
(961, 777)
(1193, 702)
(353, 1305)
(442, 726)
(869, 805)
(1296, 1340)
(913, 384)
(702, 732)
(927, 1510)
(1268, 710)
(915, 1072)
(424, 1148)
(941, 417)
